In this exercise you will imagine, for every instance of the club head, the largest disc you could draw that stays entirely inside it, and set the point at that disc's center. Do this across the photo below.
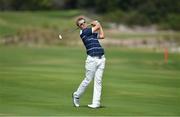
(60, 37)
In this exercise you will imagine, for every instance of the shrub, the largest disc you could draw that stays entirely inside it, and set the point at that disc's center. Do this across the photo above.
(171, 22)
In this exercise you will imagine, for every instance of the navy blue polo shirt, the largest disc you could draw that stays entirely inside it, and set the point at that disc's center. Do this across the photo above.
(90, 40)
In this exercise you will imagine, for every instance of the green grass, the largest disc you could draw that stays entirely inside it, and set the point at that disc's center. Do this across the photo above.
(39, 81)
(140, 35)
(12, 22)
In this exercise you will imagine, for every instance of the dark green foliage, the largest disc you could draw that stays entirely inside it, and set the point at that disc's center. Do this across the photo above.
(25, 4)
(171, 22)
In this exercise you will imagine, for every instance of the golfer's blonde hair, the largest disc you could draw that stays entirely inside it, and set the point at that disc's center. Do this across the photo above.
(79, 19)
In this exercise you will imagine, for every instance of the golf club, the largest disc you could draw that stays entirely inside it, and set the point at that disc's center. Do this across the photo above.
(69, 32)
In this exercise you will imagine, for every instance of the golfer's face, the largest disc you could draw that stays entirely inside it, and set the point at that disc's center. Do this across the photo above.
(82, 25)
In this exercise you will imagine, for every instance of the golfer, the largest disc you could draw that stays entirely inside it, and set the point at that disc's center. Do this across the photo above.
(95, 62)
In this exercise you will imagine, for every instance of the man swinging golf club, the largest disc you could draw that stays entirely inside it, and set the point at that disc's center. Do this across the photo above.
(95, 62)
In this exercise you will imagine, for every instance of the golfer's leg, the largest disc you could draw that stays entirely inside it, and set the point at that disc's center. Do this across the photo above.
(89, 75)
(98, 83)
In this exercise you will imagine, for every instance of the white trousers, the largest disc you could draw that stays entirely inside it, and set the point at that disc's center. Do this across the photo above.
(94, 69)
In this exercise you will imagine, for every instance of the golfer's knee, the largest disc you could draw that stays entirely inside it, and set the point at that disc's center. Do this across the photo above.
(88, 80)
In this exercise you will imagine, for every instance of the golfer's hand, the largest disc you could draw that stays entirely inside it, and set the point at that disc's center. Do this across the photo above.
(94, 23)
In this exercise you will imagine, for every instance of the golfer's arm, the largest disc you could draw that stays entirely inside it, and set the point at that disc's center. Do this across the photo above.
(97, 27)
(101, 33)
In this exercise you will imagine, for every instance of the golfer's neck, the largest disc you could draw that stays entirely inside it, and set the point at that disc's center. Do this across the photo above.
(84, 27)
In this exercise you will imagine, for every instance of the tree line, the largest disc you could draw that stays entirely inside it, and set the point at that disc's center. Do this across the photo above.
(141, 11)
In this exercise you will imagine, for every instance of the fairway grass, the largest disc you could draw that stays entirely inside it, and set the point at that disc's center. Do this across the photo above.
(40, 81)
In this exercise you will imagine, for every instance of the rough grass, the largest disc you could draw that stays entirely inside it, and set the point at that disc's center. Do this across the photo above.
(37, 28)
(144, 35)
(12, 22)
(39, 81)
(43, 28)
